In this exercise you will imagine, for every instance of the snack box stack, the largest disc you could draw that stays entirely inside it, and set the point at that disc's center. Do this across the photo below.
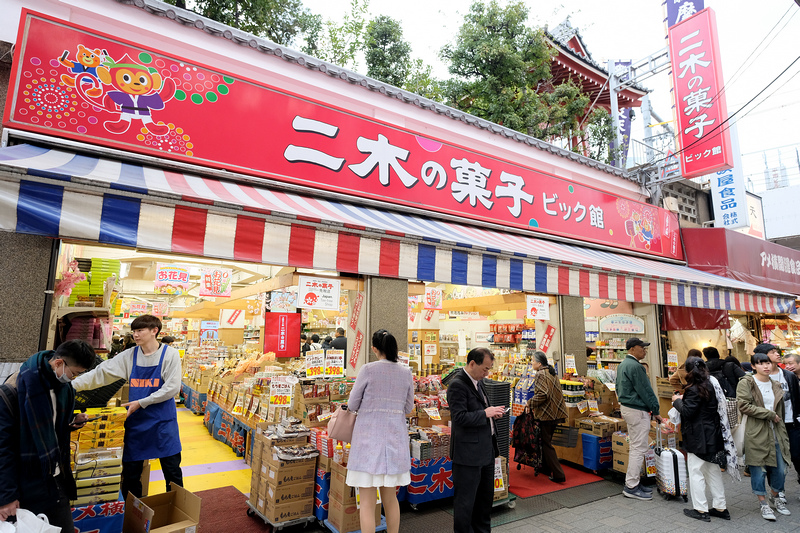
(340, 389)
(322, 442)
(108, 431)
(286, 487)
(312, 402)
(97, 476)
(620, 448)
(265, 437)
(343, 514)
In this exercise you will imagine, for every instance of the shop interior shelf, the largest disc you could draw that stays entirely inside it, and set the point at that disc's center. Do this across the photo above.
(93, 311)
(612, 359)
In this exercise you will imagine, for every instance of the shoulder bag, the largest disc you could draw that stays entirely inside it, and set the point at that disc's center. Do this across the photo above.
(340, 426)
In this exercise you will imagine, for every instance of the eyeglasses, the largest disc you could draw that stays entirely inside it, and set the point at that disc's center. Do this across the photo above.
(73, 374)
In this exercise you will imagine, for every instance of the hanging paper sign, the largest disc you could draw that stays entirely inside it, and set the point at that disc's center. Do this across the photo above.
(160, 309)
(672, 359)
(138, 308)
(253, 407)
(318, 293)
(356, 348)
(499, 484)
(216, 282)
(433, 413)
(547, 338)
(583, 406)
(209, 330)
(263, 412)
(430, 349)
(621, 323)
(593, 406)
(172, 279)
(650, 462)
(334, 363)
(280, 391)
(315, 363)
(433, 298)
(569, 364)
(538, 307)
(238, 407)
(403, 358)
(357, 305)
(428, 315)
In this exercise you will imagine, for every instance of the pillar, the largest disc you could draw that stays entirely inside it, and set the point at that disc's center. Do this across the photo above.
(387, 308)
(573, 333)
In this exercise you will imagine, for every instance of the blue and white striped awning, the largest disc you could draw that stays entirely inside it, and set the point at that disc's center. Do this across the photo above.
(63, 194)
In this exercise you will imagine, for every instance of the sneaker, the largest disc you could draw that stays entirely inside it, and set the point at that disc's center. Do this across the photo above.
(766, 512)
(780, 506)
(646, 488)
(637, 493)
(724, 514)
(694, 513)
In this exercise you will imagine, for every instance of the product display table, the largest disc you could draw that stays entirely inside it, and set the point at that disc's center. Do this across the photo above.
(226, 427)
(99, 518)
(431, 479)
(194, 400)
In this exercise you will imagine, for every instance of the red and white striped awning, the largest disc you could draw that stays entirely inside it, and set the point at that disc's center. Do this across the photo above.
(63, 194)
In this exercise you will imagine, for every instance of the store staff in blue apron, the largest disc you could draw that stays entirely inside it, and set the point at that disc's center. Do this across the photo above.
(153, 371)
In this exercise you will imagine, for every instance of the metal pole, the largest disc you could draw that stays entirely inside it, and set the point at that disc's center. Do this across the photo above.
(613, 82)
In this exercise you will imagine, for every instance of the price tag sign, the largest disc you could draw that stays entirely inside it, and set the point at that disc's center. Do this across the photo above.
(238, 407)
(611, 386)
(253, 407)
(324, 417)
(334, 364)
(263, 413)
(433, 413)
(650, 462)
(569, 364)
(315, 363)
(403, 358)
(280, 391)
(593, 406)
(499, 484)
(583, 406)
(672, 359)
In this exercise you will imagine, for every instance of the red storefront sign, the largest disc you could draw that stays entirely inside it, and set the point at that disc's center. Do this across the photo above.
(356, 311)
(203, 116)
(356, 351)
(282, 334)
(742, 257)
(700, 106)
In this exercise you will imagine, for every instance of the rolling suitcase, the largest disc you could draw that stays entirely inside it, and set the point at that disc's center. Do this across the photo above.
(671, 473)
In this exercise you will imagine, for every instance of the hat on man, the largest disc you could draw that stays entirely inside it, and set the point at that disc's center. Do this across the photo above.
(765, 348)
(635, 341)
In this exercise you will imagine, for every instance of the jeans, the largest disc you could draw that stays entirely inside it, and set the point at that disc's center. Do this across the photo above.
(776, 475)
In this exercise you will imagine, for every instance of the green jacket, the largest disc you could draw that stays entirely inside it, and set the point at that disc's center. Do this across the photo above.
(633, 386)
(759, 442)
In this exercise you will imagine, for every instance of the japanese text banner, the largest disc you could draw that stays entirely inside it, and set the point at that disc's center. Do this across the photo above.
(70, 81)
(699, 103)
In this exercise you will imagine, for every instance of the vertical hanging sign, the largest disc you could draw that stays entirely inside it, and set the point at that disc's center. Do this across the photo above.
(700, 106)
(729, 192)
(356, 311)
(356, 349)
(216, 282)
(433, 298)
(547, 338)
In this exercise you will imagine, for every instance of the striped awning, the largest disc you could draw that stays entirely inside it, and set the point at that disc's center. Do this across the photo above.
(63, 194)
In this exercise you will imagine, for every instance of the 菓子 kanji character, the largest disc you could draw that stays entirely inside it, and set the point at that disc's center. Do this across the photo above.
(696, 100)
(699, 123)
(565, 209)
(547, 201)
(596, 217)
(471, 179)
(302, 154)
(385, 156)
(582, 209)
(513, 190)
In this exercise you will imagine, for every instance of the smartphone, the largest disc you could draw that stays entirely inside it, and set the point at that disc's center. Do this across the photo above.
(507, 409)
(93, 419)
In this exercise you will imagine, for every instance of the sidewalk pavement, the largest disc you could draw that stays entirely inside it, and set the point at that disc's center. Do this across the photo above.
(618, 514)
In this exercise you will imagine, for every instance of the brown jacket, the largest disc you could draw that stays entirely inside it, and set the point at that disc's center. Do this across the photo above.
(547, 402)
(678, 379)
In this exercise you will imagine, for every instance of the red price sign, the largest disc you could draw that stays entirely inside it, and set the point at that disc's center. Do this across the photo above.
(334, 363)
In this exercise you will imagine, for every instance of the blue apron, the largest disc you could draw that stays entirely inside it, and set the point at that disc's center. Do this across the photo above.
(150, 433)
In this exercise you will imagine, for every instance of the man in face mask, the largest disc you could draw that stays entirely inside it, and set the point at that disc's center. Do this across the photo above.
(36, 418)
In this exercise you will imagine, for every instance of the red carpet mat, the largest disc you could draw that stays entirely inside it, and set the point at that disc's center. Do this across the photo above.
(225, 509)
(525, 484)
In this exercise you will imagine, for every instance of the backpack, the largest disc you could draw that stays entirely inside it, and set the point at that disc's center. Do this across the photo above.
(727, 388)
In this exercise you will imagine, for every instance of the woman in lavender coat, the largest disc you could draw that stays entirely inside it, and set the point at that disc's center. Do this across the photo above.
(379, 457)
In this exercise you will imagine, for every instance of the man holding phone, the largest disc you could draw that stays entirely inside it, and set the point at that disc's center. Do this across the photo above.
(153, 371)
(36, 418)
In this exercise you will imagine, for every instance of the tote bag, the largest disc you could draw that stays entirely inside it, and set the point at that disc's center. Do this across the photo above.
(738, 436)
(340, 426)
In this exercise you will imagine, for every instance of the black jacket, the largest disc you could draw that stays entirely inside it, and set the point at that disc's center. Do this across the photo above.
(727, 373)
(471, 439)
(700, 424)
(339, 343)
(794, 392)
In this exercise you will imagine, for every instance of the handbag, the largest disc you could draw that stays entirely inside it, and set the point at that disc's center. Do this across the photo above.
(738, 436)
(732, 408)
(340, 426)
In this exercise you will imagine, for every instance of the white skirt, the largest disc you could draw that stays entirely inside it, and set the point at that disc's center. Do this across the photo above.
(364, 479)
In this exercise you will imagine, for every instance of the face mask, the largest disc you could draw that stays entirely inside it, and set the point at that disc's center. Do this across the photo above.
(64, 378)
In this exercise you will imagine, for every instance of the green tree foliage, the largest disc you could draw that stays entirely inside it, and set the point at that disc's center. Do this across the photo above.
(280, 21)
(388, 55)
(502, 74)
(422, 82)
(338, 43)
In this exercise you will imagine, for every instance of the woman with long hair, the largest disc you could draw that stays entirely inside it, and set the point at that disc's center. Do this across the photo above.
(379, 456)
(703, 425)
(547, 406)
(766, 442)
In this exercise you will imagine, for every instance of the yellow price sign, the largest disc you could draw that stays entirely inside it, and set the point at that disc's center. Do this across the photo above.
(313, 371)
(334, 363)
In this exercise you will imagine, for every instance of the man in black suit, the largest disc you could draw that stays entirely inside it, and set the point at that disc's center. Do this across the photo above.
(473, 444)
(340, 341)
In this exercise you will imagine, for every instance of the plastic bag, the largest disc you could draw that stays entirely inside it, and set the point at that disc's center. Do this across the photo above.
(7, 527)
(27, 522)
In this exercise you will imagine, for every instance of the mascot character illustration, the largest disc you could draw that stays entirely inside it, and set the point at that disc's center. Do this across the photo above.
(137, 90)
(86, 61)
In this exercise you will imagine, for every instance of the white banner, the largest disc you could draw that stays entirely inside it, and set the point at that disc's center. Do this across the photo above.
(729, 192)
(318, 293)
(538, 307)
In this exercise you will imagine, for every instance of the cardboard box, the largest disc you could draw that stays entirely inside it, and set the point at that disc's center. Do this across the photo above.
(280, 476)
(620, 462)
(97, 481)
(345, 517)
(99, 472)
(275, 496)
(272, 459)
(502, 494)
(324, 462)
(289, 511)
(620, 443)
(339, 489)
(177, 511)
(94, 499)
(593, 426)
